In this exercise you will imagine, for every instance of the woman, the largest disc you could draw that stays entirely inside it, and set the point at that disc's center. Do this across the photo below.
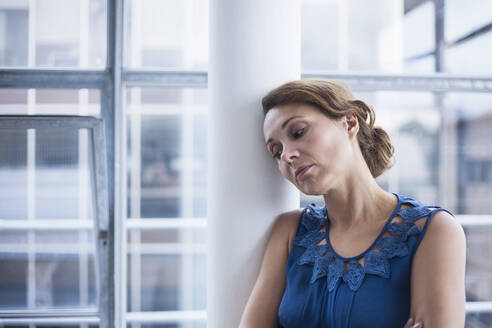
(362, 259)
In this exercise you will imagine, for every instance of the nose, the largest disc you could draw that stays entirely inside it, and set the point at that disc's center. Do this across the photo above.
(288, 154)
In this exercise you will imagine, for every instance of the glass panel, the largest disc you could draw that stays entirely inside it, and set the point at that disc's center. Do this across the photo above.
(478, 320)
(200, 166)
(50, 102)
(463, 18)
(47, 264)
(163, 238)
(65, 280)
(419, 39)
(57, 178)
(34, 34)
(13, 174)
(478, 269)
(169, 282)
(166, 154)
(167, 33)
(13, 282)
(472, 160)
(458, 58)
(319, 17)
(374, 36)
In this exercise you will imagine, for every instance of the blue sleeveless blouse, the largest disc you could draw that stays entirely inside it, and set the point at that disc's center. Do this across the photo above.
(324, 289)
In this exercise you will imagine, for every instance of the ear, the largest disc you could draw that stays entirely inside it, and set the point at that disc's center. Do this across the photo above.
(352, 124)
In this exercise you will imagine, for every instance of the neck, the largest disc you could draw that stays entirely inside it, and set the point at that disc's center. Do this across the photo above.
(358, 201)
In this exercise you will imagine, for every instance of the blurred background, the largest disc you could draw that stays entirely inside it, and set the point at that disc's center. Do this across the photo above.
(47, 247)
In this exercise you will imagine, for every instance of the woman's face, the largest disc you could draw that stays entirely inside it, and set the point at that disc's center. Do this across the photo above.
(312, 151)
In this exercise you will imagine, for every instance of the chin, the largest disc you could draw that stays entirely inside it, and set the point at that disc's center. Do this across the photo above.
(310, 190)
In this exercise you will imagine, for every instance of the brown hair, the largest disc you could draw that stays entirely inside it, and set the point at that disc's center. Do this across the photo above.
(334, 99)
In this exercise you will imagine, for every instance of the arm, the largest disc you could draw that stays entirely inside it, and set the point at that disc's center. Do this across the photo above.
(261, 309)
(438, 275)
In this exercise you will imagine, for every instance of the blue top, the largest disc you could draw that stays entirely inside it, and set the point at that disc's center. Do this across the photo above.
(372, 289)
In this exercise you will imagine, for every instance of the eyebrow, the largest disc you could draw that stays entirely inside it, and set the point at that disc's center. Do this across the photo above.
(284, 125)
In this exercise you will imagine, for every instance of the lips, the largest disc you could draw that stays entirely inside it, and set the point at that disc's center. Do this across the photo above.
(301, 170)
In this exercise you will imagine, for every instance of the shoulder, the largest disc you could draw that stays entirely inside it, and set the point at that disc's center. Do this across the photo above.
(443, 227)
(285, 226)
(444, 242)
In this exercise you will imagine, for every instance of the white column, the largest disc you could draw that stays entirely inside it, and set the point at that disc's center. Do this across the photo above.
(254, 47)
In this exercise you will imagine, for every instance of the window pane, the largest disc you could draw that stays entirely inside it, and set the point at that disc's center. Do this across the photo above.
(458, 58)
(463, 17)
(13, 282)
(167, 33)
(374, 36)
(478, 271)
(200, 166)
(35, 34)
(44, 176)
(50, 102)
(169, 282)
(65, 280)
(57, 179)
(166, 157)
(478, 320)
(473, 154)
(13, 174)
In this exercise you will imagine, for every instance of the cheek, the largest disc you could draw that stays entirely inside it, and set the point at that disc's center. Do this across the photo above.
(285, 170)
(327, 148)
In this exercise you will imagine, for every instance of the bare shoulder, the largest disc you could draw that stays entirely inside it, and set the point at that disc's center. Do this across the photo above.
(443, 227)
(285, 226)
(288, 220)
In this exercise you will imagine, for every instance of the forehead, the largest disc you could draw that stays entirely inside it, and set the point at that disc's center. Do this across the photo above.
(276, 116)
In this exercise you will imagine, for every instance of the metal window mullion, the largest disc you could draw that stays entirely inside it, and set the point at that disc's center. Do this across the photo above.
(186, 236)
(440, 82)
(117, 11)
(110, 107)
(135, 201)
(54, 78)
(83, 157)
(31, 203)
(466, 220)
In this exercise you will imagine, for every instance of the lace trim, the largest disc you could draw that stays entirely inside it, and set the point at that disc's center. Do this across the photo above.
(326, 264)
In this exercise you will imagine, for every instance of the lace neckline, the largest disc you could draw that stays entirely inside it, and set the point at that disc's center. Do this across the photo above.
(327, 263)
(381, 233)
